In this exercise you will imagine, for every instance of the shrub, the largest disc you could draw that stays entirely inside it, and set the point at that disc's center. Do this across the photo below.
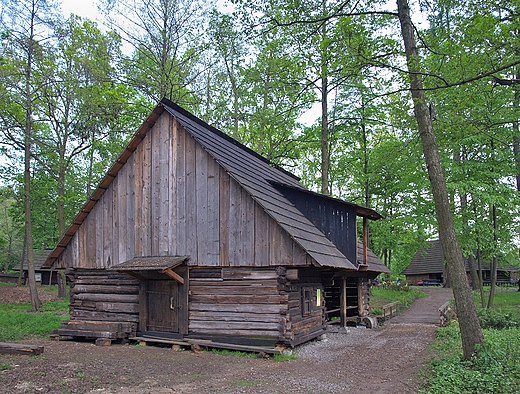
(497, 318)
(496, 368)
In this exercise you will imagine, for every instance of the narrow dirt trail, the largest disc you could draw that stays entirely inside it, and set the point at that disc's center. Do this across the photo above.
(357, 360)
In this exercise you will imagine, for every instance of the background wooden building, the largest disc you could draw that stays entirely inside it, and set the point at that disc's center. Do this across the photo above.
(428, 265)
(192, 235)
(44, 276)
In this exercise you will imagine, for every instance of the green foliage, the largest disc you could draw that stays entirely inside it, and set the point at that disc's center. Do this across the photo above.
(495, 368)
(234, 353)
(285, 357)
(376, 311)
(498, 318)
(17, 322)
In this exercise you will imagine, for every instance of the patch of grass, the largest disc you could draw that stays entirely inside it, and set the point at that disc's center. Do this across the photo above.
(6, 365)
(496, 368)
(381, 296)
(18, 322)
(284, 357)
(234, 353)
(376, 311)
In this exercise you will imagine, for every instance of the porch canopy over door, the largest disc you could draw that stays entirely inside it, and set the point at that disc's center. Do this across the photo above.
(163, 293)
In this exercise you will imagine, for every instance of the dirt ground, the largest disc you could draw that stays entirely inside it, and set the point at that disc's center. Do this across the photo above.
(354, 360)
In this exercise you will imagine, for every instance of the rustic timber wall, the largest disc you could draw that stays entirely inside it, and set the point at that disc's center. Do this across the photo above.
(240, 305)
(103, 295)
(302, 323)
(172, 198)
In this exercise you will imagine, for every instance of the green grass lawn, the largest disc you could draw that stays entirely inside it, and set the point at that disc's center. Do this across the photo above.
(17, 322)
(406, 296)
(496, 369)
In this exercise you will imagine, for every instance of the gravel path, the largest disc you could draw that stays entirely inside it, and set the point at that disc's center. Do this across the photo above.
(356, 360)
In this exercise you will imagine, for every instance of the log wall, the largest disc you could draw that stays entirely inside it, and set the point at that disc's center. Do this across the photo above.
(237, 305)
(103, 295)
(303, 326)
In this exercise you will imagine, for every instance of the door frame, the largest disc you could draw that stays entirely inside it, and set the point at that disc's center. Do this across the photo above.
(182, 310)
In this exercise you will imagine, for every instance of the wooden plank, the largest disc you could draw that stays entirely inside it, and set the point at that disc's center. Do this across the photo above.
(248, 273)
(180, 193)
(108, 226)
(239, 299)
(20, 348)
(213, 213)
(248, 233)
(98, 212)
(91, 334)
(107, 297)
(155, 182)
(210, 273)
(235, 224)
(224, 206)
(201, 283)
(173, 275)
(129, 223)
(114, 241)
(239, 308)
(78, 288)
(202, 202)
(140, 231)
(146, 213)
(172, 191)
(230, 316)
(93, 315)
(262, 244)
(191, 199)
(234, 290)
(117, 307)
(204, 331)
(121, 198)
(93, 280)
(90, 250)
(246, 348)
(164, 197)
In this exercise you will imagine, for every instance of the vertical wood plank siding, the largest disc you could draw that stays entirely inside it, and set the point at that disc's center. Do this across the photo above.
(172, 197)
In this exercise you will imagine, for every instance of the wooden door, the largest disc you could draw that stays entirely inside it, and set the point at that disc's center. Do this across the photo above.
(162, 304)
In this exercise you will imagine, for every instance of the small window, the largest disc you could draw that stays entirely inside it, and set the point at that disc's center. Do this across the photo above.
(306, 301)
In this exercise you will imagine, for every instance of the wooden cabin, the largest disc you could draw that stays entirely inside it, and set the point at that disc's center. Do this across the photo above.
(428, 267)
(193, 236)
(43, 276)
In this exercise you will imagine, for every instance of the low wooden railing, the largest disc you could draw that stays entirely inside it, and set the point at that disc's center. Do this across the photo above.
(390, 310)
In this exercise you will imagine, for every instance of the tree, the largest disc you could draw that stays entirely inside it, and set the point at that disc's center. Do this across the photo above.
(25, 25)
(471, 333)
(167, 41)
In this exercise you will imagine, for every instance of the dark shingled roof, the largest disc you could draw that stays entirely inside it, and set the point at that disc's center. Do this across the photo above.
(40, 256)
(150, 263)
(430, 260)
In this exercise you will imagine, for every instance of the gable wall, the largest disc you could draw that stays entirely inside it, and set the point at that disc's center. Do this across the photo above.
(173, 198)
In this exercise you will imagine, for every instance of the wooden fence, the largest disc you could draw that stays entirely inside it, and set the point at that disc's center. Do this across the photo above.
(390, 310)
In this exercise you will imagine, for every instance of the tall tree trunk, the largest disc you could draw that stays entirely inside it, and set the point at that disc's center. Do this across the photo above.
(325, 155)
(470, 330)
(516, 138)
(494, 262)
(35, 299)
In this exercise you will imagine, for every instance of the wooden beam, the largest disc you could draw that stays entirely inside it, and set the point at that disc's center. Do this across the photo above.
(19, 348)
(134, 274)
(365, 241)
(343, 303)
(173, 275)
